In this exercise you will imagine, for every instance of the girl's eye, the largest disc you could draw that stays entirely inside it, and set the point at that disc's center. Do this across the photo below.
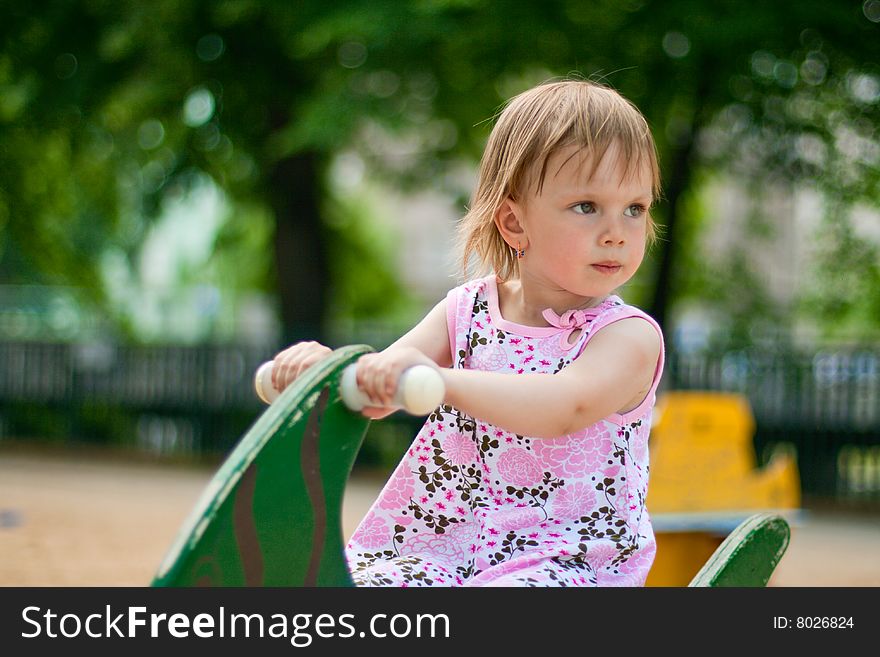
(635, 210)
(584, 208)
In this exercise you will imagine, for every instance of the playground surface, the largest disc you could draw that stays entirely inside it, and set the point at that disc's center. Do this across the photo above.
(91, 520)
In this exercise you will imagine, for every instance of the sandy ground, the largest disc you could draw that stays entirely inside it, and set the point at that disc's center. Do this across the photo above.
(92, 521)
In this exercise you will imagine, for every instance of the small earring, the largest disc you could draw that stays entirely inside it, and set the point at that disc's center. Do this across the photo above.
(519, 252)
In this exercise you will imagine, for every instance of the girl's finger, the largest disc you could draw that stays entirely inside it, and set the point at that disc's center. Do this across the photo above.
(279, 374)
(391, 382)
(290, 371)
(375, 412)
(308, 362)
(373, 381)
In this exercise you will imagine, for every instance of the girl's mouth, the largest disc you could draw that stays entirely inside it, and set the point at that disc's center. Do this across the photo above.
(607, 267)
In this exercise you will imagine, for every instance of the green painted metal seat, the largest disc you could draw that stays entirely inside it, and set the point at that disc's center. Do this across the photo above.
(272, 514)
(749, 554)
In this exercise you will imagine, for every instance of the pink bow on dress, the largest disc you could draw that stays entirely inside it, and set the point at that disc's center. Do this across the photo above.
(570, 321)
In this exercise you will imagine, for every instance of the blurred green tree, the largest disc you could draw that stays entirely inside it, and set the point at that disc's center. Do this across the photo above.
(107, 106)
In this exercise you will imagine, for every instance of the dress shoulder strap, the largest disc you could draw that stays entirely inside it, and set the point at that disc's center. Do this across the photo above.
(459, 311)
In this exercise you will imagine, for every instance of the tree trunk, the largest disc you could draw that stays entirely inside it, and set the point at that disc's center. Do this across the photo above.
(678, 182)
(300, 248)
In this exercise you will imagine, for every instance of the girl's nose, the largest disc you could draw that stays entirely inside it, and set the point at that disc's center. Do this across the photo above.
(613, 235)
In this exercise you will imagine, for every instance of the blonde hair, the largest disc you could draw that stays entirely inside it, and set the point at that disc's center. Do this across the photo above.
(532, 127)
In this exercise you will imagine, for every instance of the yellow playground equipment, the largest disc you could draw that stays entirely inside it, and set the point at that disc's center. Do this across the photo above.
(705, 480)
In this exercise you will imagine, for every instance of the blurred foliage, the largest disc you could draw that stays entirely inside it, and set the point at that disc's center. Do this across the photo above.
(108, 107)
(847, 296)
(359, 245)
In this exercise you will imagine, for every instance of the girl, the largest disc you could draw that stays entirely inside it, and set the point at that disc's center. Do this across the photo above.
(534, 471)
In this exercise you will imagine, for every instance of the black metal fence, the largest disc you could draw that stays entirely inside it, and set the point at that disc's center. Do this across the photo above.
(182, 401)
(164, 399)
(178, 400)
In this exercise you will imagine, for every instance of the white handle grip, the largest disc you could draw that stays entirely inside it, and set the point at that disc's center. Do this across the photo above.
(263, 383)
(419, 391)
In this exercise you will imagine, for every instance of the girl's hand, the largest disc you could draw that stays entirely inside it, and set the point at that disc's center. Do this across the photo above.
(293, 361)
(378, 374)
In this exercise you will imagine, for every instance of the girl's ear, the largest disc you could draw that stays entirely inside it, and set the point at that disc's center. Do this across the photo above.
(508, 220)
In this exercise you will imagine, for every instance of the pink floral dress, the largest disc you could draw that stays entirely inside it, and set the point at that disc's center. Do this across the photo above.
(471, 504)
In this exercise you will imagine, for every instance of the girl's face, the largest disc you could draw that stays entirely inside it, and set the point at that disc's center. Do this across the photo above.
(585, 236)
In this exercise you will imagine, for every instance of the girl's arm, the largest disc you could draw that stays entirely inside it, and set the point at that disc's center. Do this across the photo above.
(427, 340)
(613, 374)
(426, 343)
(430, 336)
